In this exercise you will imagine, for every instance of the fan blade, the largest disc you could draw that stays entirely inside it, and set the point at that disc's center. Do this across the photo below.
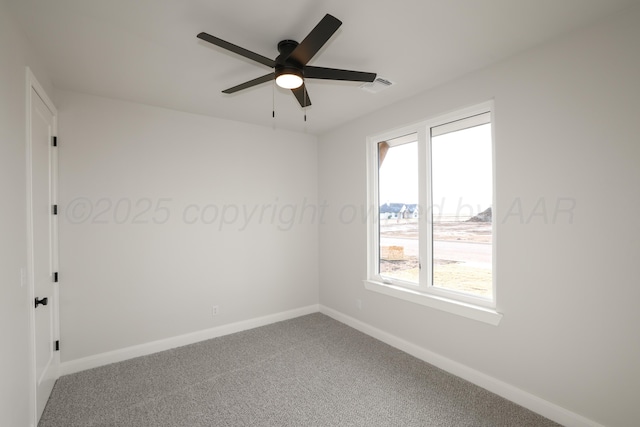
(336, 74)
(237, 49)
(251, 83)
(302, 95)
(315, 40)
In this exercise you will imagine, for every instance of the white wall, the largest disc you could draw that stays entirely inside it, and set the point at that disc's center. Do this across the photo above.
(15, 55)
(566, 120)
(125, 283)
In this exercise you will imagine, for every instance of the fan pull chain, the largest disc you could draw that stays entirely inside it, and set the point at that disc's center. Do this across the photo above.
(305, 103)
(273, 100)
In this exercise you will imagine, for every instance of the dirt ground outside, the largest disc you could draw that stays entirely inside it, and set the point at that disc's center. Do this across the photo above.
(479, 232)
(449, 274)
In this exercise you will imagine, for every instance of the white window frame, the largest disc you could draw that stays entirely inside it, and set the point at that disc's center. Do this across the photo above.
(424, 293)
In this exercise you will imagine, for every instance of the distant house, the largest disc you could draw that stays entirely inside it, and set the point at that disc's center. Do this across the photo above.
(398, 211)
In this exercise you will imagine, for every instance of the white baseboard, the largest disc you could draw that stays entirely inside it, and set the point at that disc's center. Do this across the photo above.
(120, 355)
(509, 392)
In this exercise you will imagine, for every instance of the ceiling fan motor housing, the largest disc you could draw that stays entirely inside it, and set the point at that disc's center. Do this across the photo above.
(285, 47)
(285, 64)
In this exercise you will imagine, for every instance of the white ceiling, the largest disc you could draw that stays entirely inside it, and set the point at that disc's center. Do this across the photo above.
(147, 51)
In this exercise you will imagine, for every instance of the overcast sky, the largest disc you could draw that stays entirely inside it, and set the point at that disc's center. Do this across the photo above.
(462, 172)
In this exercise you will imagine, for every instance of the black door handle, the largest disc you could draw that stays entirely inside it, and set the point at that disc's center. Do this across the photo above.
(43, 301)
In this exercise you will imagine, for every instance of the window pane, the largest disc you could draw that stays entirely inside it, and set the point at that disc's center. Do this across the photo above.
(398, 196)
(462, 193)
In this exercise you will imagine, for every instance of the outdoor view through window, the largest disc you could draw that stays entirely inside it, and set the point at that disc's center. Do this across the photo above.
(457, 239)
(399, 213)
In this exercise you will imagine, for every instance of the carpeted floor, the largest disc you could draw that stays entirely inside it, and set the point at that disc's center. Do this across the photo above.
(308, 371)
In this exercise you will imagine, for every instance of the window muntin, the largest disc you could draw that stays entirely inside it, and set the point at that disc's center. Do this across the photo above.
(452, 222)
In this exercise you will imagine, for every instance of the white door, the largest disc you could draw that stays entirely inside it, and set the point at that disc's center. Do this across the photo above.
(42, 247)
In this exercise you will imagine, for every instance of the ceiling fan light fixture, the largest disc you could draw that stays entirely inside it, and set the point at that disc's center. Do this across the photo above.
(289, 78)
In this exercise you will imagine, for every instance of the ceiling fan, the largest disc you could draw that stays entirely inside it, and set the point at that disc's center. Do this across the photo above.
(290, 67)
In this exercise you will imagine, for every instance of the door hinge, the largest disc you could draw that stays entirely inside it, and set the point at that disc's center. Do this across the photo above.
(55, 277)
(56, 345)
(55, 141)
(55, 209)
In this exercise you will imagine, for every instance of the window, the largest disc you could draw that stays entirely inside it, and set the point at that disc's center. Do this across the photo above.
(432, 240)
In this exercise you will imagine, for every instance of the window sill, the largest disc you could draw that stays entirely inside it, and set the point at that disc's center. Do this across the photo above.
(470, 311)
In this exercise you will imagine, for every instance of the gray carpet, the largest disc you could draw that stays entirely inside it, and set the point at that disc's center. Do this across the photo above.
(308, 371)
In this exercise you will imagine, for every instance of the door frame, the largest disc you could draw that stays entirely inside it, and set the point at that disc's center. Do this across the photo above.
(32, 84)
